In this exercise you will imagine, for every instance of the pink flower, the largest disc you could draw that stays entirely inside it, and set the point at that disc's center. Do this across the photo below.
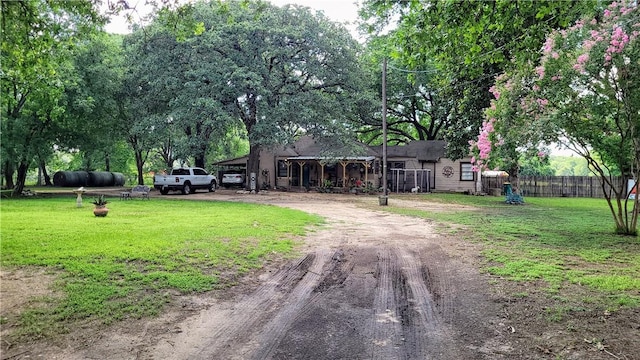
(495, 92)
(588, 44)
(484, 142)
(548, 45)
(540, 72)
(625, 11)
(555, 55)
(580, 61)
(508, 85)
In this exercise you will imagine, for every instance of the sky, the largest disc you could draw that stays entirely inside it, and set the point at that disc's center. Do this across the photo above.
(337, 10)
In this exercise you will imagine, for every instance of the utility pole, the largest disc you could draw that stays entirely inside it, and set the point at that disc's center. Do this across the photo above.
(384, 198)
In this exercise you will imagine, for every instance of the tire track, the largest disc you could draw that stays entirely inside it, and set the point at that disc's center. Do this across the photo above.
(423, 328)
(252, 311)
(385, 327)
(275, 330)
(437, 274)
(406, 322)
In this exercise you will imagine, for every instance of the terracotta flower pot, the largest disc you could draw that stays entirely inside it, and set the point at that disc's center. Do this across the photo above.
(100, 211)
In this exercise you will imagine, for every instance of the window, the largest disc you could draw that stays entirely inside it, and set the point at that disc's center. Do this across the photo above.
(395, 165)
(282, 168)
(180, 171)
(466, 172)
(199, 172)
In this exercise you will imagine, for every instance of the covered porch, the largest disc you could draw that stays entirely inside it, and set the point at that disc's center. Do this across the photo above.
(307, 172)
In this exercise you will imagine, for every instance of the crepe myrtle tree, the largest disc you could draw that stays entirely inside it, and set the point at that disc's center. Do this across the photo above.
(505, 141)
(584, 94)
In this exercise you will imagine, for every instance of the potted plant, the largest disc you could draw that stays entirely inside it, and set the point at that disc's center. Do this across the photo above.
(100, 206)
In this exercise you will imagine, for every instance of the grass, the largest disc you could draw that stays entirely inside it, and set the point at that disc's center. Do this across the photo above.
(561, 242)
(128, 264)
(125, 265)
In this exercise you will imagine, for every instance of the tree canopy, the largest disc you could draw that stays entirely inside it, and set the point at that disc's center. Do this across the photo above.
(584, 94)
(37, 39)
(280, 72)
(470, 43)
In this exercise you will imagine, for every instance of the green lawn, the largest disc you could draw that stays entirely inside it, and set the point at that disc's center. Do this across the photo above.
(126, 264)
(563, 242)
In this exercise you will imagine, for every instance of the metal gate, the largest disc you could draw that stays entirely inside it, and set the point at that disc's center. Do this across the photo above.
(403, 180)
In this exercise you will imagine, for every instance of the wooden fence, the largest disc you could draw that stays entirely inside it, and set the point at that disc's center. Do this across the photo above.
(553, 186)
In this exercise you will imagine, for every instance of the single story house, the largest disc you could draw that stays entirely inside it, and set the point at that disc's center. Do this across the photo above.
(419, 165)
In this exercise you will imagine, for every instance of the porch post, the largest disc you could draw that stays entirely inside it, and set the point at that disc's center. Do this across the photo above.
(344, 173)
(288, 174)
(301, 164)
(367, 165)
(321, 182)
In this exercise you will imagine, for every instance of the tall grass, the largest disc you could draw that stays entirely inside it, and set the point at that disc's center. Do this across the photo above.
(126, 264)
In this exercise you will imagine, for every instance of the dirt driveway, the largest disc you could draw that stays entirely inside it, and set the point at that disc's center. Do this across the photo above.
(368, 285)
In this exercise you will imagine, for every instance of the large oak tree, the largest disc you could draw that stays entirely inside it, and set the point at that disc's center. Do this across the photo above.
(284, 71)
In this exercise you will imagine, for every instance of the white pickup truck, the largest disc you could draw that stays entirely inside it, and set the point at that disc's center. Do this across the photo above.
(186, 180)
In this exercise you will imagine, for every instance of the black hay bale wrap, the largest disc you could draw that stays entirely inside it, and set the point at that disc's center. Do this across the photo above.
(118, 179)
(91, 178)
(71, 178)
(100, 178)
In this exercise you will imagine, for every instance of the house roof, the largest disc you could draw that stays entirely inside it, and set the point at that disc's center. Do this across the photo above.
(423, 150)
(306, 148)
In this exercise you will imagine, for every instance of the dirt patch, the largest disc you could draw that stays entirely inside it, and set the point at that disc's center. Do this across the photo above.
(21, 289)
(368, 285)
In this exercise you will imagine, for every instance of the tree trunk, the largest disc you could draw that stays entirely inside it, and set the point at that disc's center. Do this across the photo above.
(514, 171)
(200, 161)
(8, 174)
(249, 116)
(23, 167)
(139, 165)
(45, 174)
(253, 165)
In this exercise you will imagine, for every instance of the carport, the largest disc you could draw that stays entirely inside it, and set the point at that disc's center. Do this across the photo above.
(239, 163)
